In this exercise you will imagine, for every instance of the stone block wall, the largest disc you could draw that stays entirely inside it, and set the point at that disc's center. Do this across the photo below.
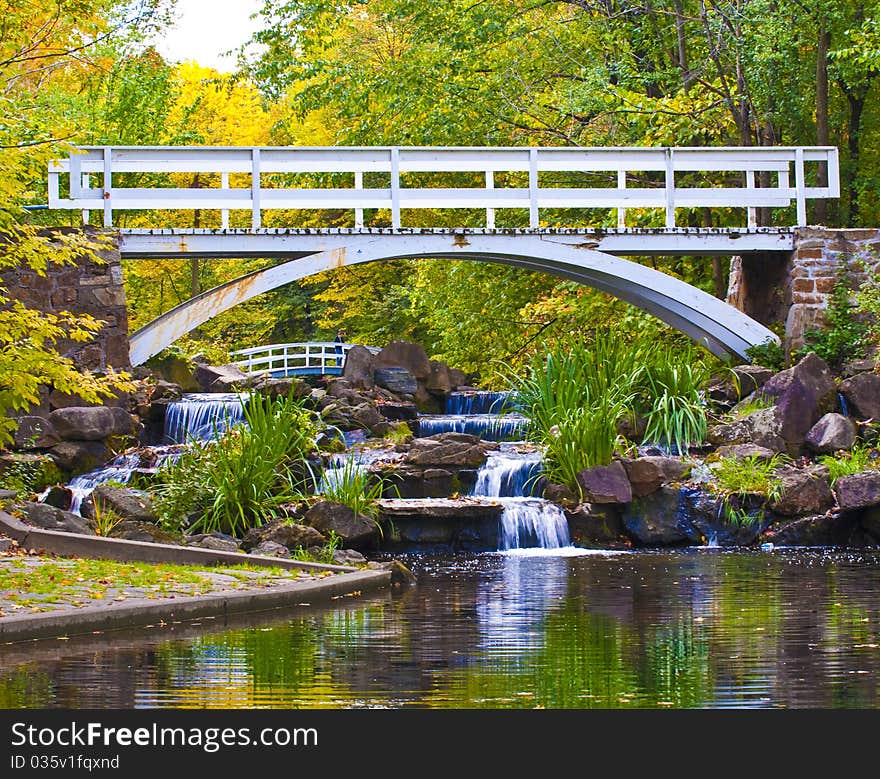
(795, 288)
(812, 272)
(89, 287)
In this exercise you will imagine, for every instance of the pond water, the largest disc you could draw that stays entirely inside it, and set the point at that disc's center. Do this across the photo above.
(694, 628)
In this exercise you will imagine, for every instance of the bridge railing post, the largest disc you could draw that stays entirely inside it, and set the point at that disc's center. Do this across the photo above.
(359, 212)
(800, 187)
(395, 187)
(490, 212)
(108, 186)
(621, 212)
(256, 186)
(670, 188)
(533, 188)
(224, 213)
(752, 212)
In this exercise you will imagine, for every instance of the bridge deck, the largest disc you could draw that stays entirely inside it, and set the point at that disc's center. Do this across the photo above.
(291, 243)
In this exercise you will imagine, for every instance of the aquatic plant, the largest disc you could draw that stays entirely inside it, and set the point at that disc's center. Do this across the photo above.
(242, 479)
(739, 479)
(861, 457)
(358, 488)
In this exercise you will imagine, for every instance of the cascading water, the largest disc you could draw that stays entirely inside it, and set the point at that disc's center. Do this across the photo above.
(119, 469)
(202, 416)
(477, 402)
(489, 427)
(527, 522)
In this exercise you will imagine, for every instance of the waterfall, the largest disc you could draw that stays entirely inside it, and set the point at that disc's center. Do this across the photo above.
(526, 522)
(844, 406)
(477, 402)
(508, 474)
(202, 416)
(489, 427)
(119, 469)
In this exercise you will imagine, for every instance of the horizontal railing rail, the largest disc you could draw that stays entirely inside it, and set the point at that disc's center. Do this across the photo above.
(655, 178)
(287, 359)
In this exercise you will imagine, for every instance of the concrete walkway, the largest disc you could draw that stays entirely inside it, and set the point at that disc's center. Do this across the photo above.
(54, 596)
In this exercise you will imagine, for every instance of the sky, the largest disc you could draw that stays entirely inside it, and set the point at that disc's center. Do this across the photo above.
(206, 28)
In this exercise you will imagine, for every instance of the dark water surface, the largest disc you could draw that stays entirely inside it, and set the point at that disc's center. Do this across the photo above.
(698, 628)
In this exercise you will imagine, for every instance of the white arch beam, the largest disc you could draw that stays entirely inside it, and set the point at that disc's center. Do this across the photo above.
(716, 325)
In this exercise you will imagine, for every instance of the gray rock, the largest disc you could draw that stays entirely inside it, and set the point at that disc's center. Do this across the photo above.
(761, 428)
(359, 365)
(217, 543)
(658, 520)
(605, 484)
(366, 416)
(270, 549)
(51, 518)
(398, 380)
(648, 474)
(84, 423)
(282, 388)
(59, 496)
(7, 496)
(447, 450)
(220, 378)
(457, 378)
(6, 544)
(862, 393)
(348, 556)
(406, 355)
(803, 491)
(743, 451)
(831, 433)
(80, 456)
(560, 494)
(292, 535)
(34, 433)
(355, 530)
(398, 412)
(750, 378)
(439, 381)
(858, 491)
(591, 525)
(130, 504)
(131, 530)
(166, 390)
(822, 530)
(802, 394)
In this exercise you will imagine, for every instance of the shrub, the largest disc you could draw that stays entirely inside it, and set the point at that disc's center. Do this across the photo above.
(739, 478)
(859, 458)
(242, 479)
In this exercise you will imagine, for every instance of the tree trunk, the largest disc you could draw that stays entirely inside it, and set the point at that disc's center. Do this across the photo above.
(822, 133)
(856, 104)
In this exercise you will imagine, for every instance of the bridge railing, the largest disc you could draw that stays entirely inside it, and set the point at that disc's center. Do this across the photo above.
(727, 177)
(315, 357)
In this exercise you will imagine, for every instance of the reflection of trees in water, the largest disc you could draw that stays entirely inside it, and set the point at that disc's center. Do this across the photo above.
(686, 629)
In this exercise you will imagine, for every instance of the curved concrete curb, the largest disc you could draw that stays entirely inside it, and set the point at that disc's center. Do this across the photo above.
(59, 543)
(220, 604)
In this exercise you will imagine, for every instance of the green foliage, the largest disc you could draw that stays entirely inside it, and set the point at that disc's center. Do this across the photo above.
(400, 433)
(674, 404)
(357, 488)
(861, 457)
(739, 479)
(749, 406)
(770, 354)
(843, 336)
(244, 478)
(104, 518)
(868, 300)
(324, 555)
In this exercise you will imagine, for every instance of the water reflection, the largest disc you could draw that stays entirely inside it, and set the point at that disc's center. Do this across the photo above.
(688, 629)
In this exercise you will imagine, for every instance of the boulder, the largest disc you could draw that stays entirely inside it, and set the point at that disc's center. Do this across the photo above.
(803, 491)
(749, 378)
(457, 378)
(359, 365)
(131, 530)
(862, 393)
(447, 450)
(822, 530)
(123, 422)
(127, 503)
(742, 451)
(348, 557)
(559, 494)
(270, 549)
(801, 394)
(647, 474)
(167, 391)
(761, 428)
(591, 525)
(858, 491)
(400, 381)
(282, 388)
(292, 535)
(174, 369)
(439, 382)
(220, 378)
(88, 423)
(403, 354)
(657, 520)
(831, 433)
(80, 456)
(51, 518)
(218, 542)
(366, 416)
(34, 433)
(31, 470)
(605, 484)
(398, 412)
(59, 496)
(400, 574)
(355, 530)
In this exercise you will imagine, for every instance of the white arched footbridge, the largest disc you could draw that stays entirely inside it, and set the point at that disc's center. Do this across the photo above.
(380, 186)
